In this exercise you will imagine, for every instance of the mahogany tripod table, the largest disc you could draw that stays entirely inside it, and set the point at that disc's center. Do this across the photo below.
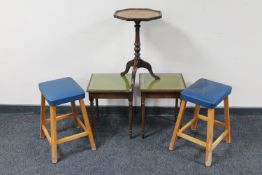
(137, 15)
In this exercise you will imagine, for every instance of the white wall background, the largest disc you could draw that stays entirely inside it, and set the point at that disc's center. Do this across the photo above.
(43, 40)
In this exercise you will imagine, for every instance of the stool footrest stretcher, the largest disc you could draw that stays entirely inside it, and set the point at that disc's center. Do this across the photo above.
(61, 117)
(200, 142)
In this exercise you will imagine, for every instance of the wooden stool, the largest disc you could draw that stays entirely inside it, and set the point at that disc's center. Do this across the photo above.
(208, 94)
(57, 92)
(168, 86)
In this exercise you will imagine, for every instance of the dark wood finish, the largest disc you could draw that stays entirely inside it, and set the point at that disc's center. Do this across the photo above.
(112, 95)
(92, 113)
(138, 14)
(156, 94)
(97, 108)
(137, 62)
(131, 15)
(170, 86)
(130, 108)
(176, 105)
(110, 86)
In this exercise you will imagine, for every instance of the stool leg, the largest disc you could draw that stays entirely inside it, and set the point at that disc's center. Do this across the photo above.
(143, 115)
(74, 110)
(196, 112)
(177, 125)
(42, 116)
(209, 141)
(227, 119)
(130, 101)
(87, 125)
(53, 134)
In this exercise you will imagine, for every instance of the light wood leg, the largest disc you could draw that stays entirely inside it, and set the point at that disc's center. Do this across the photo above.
(227, 119)
(177, 125)
(87, 125)
(74, 111)
(42, 116)
(53, 134)
(143, 116)
(196, 112)
(178, 113)
(209, 141)
(130, 101)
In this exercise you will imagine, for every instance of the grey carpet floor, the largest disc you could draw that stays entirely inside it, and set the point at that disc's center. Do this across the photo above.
(23, 152)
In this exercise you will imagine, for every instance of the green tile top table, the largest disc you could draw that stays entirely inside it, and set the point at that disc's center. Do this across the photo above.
(110, 82)
(110, 86)
(169, 86)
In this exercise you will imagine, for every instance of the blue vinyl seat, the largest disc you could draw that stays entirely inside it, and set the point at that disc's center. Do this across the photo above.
(57, 92)
(61, 91)
(208, 94)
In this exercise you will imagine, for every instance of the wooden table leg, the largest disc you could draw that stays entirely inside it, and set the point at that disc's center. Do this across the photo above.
(130, 101)
(92, 113)
(97, 109)
(143, 115)
(176, 109)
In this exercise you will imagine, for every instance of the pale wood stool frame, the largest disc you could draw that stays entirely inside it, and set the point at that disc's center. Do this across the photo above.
(209, 144)
(52, 139)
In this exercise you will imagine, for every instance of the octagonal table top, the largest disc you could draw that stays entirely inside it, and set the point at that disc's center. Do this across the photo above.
(138, 14)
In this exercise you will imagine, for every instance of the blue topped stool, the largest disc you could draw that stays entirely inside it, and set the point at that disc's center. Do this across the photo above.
(208, 94)
(57, 92)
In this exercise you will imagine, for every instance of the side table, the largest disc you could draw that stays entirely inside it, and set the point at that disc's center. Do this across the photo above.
(137, 15)
(110, 86)
(169, 86)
